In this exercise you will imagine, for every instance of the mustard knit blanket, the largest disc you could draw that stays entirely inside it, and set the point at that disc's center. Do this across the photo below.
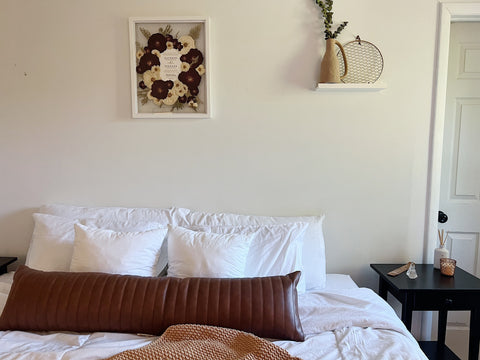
(189, 342)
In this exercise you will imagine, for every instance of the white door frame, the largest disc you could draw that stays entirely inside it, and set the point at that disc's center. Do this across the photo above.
(448, 12)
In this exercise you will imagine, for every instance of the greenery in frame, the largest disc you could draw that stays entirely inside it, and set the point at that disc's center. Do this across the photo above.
(327, 13)
(145, 32)
(195, 32)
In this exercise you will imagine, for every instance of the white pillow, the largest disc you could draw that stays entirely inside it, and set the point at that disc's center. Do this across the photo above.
(51, 246)
(122, 225)
(313, 257)
(126, 253)
(275, 249)
(201, 254)
(128, 216)
(119, 219)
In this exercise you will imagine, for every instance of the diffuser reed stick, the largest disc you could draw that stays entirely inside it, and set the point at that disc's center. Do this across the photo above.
(442, 236)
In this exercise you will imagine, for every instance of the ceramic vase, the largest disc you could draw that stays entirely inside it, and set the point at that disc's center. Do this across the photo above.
(330, 68)
(440, 252)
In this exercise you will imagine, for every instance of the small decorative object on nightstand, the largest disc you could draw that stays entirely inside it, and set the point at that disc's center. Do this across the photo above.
(447, 266)
(4, 262)
(440, 252)
(412, 272)
(434, 291)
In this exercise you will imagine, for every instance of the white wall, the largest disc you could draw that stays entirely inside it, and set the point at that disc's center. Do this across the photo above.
(273, 146)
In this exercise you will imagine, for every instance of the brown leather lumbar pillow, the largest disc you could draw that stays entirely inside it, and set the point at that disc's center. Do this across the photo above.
(89, 302)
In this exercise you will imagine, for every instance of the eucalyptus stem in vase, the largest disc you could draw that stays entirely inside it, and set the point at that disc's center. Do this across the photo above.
(329, 71)
(326, 6)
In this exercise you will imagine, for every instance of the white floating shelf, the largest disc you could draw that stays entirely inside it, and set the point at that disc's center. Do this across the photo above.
(377, 86)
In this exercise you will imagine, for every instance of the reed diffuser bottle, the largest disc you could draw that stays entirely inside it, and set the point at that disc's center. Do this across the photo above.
(440, 252)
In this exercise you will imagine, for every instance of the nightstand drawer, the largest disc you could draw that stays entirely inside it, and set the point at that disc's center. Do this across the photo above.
(457, 300)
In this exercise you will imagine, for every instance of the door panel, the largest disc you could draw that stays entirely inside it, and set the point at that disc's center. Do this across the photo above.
(466, 162)
(469, 65)
(464, 246)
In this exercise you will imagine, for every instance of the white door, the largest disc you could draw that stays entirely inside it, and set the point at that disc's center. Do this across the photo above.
(460, 182)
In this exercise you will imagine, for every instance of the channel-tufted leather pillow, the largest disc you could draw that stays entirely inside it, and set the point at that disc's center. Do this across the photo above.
(89, 302)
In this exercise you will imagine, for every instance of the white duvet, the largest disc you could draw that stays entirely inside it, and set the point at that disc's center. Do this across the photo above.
(345, 324)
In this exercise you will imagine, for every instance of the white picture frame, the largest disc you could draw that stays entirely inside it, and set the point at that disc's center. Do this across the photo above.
(170, 67)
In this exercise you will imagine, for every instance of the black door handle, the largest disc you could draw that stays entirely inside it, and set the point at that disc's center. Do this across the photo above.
(442, 217)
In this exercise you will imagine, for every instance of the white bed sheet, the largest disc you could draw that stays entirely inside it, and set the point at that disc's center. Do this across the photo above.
(341, 321)
(339, 281)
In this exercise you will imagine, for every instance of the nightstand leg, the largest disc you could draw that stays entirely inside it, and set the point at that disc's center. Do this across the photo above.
(442, 326)
(407, 310)
(474, 334)
(382, 289)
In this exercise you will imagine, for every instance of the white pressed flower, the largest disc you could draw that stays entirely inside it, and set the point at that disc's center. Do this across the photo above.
(193, 104)
(149, 77)
(140, 53)
(180, 88)
(185, 66)
(149, 95)
(171, 98)
(201, 69)
(157, 101)
(169, 45)
(187, 43)
(187, 40)
(156, 68)
(156, 53)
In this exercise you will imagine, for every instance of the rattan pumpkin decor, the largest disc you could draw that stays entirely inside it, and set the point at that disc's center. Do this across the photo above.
(365, 62)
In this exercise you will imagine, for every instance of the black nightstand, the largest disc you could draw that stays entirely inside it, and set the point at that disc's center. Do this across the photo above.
(434, 291)
(4, 262)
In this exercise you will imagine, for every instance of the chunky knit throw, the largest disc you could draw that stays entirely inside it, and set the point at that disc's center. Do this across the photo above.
(189, 342)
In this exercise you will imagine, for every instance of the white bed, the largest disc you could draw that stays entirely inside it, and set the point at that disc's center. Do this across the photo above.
(339, 320)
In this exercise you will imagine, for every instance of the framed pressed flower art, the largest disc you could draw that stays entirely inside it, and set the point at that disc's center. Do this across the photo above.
(170, 67)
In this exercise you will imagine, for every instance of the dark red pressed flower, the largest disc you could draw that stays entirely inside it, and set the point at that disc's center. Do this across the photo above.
(146, 62)
(194, 57)
(191, 78)
(157, 41)
(160, 89)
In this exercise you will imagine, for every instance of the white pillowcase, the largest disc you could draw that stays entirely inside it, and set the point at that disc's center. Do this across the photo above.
(313, 257)
(201, 254)
(128, 216)
(126, 253)
(120, 225)
(107, 223)
(51, 246)
(119, 219)
(275, 249)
